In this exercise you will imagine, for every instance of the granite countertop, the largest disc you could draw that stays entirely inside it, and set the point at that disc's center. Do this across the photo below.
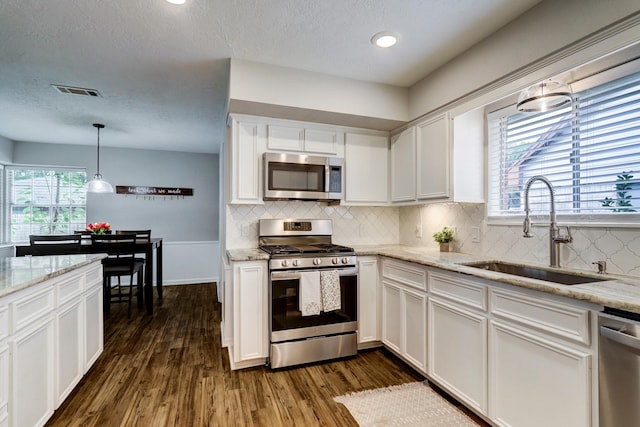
(18, 273)
(622, 292)
(235, 255)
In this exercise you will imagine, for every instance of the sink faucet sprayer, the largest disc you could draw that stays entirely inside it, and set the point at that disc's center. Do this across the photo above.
(554, 232)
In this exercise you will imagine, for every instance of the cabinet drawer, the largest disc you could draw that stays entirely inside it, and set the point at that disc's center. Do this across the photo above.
(4, 323)
(31, 307)
(460, 290)
(405, 273)
(70, 289)
(552, 317)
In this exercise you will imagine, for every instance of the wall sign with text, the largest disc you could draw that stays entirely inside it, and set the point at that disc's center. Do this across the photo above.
(153, 192)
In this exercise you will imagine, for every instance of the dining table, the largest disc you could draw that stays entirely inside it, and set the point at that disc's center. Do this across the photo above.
(146, 247)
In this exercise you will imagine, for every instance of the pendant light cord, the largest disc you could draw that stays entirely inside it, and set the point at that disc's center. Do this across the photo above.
(98, 154)
(98, 126)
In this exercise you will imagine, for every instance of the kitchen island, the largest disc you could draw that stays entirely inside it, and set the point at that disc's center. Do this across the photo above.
(51, 332)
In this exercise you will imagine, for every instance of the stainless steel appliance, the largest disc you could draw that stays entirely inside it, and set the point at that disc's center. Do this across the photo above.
(302, 177)
(619, 375)
(297, 247)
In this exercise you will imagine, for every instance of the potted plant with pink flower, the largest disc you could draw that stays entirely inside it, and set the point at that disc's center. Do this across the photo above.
(99, 228)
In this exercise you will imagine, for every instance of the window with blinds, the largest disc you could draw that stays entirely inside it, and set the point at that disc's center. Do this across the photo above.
(590, 151)
(44, 201)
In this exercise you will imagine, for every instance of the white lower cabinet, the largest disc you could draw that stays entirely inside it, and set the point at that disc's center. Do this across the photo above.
(414, 337)
(537, 381)
(50, 334)
(515, 356)
(404, 312)
(93, 326)
(250, 310)
(368, 300)
(32, 374)
(458, 351)
(392, 316)
(69, 348)
(4, 384)
(542, 355)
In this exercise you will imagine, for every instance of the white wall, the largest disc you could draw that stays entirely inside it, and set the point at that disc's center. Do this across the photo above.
(268, 84)
(6, 150)
(531, 39)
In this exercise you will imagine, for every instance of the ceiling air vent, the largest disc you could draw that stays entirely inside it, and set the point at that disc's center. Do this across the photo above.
(70, 90)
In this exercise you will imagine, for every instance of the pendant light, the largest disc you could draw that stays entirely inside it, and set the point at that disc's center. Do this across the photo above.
(544, 96)
(97, 184)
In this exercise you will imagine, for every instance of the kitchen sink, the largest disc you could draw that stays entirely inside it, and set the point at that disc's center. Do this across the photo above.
(547, 275)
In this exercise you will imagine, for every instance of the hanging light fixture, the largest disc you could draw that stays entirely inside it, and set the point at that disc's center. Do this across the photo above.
(97, 184)
(544, 96)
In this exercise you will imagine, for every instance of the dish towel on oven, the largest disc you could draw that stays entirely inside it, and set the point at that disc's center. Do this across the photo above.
(330, 290)
(310, 302)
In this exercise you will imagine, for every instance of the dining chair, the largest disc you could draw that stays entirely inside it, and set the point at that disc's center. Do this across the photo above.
(121, 264)
(61, 244)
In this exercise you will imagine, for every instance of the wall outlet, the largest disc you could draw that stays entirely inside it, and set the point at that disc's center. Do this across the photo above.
(244, 230)
(475, 234)
(419, 231)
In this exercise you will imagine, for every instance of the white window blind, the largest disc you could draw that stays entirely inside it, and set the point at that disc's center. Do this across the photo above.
(590, 151)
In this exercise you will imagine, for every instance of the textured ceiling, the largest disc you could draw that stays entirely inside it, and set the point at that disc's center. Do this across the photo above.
(162, 69)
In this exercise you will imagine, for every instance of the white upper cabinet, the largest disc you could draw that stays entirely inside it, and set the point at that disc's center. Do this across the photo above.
(285, 138)
(244, 163)
(366, 173)
(403, 166)
(366, 169)
(322, 141)
(305, 139)
(468, 156)
(432, 158)
(420, 161)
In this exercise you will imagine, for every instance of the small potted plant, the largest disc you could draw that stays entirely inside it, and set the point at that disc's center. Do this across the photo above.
(444, 238)
(99, 228)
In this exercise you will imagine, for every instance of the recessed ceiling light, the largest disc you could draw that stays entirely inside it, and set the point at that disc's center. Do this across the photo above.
(385, 39)
(177, 1)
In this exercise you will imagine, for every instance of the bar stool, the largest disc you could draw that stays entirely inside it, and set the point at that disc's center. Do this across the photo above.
(121, 263)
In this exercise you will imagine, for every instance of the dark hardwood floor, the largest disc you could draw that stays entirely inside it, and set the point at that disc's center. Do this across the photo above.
(169, 369)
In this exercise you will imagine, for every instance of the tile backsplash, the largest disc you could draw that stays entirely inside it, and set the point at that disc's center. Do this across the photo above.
(352, 225)
(360, 225)
(619, 247)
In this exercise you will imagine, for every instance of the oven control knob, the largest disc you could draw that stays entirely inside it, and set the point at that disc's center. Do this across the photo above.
(334, 260)
(345, 260)
(295, 262)
(284, 263)
(316, 261)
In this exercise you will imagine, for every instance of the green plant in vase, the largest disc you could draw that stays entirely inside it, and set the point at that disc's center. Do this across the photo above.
(444, 237)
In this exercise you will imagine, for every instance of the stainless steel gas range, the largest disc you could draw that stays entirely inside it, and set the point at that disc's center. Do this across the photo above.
(312, 292)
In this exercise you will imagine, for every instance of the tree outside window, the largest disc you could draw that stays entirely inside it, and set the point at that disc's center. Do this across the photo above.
(45, 201)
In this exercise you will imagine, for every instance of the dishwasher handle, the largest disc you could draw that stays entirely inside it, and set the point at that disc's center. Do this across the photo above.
(620, 337)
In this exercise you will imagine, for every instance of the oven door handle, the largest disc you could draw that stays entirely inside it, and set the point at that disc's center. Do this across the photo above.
(288, 275)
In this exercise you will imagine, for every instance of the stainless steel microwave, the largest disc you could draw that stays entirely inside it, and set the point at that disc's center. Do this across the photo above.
(302, 177)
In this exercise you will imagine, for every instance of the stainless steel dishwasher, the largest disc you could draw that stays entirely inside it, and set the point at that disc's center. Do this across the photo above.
(619, 366)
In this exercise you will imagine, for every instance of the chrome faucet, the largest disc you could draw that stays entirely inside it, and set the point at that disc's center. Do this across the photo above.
(554, 232)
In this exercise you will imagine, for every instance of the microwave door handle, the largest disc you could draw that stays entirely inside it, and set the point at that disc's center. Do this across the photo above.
(327, 177)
